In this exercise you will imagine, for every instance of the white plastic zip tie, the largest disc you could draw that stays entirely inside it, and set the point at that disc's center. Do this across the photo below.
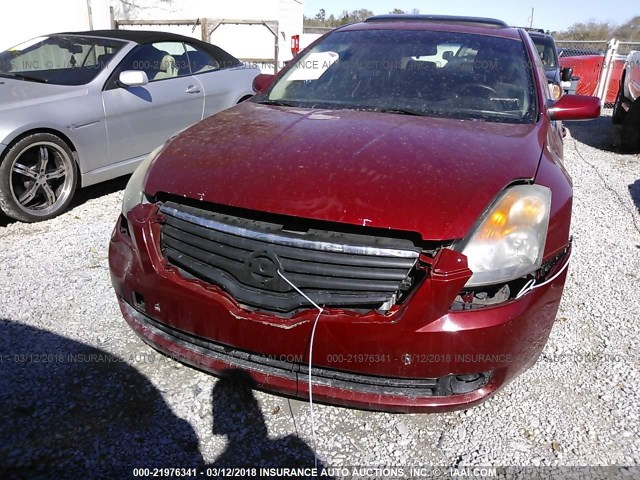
(313, 333)
(530, 285)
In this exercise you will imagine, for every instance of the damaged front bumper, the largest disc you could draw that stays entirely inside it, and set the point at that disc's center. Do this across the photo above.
(420, 356)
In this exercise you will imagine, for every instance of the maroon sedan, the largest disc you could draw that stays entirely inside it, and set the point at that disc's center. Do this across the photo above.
(391, 210)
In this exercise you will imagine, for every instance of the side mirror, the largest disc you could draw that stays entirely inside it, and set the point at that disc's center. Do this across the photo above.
(566, 74)
(575, 107)
(133, 78)
(262, 82)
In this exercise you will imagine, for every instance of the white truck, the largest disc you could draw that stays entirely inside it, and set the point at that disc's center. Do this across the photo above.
(627, 107)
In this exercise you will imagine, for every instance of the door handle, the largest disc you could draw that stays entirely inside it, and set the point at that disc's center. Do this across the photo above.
(192, 89)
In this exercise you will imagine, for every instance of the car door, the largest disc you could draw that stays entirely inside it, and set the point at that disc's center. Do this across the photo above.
(219, 84)
(140, 118)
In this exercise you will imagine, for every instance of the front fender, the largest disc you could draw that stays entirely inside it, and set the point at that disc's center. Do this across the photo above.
(9, 135)
(89, 141)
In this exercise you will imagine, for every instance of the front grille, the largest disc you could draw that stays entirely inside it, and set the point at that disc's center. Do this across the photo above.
(243, 256)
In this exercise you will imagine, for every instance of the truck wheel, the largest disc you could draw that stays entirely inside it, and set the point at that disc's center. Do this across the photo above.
(630, 135)
(618, 112)
(38, 178)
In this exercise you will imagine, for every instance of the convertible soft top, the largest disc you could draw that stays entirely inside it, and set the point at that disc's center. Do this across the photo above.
(150, 36)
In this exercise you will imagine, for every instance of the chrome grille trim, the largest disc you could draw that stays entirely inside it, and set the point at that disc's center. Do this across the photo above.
(287, 241)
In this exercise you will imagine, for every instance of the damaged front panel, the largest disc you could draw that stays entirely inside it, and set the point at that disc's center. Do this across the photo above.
(243, 256)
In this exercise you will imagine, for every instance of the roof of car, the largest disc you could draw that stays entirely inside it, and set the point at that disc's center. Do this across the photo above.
(138, 36)
(536, 34)
(533, 30)
(487, 22)
(480, 25)
(150, 36)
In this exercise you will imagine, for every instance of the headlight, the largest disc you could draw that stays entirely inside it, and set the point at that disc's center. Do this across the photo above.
(509, 241)
(134, 194)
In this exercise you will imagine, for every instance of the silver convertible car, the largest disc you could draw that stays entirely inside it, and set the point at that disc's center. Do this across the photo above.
(81, 108)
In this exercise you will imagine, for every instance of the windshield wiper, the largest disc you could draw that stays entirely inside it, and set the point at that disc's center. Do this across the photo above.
(400, 111)
(277, 103)
(23, 76)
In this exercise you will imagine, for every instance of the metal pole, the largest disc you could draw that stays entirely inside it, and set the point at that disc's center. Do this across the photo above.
(607, 70)
(277, 50)
(204, 30)
(90, 14)
(531, 18)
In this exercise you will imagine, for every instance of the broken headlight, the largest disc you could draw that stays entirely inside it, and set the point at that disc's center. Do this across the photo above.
(508, 242)
(134, 192)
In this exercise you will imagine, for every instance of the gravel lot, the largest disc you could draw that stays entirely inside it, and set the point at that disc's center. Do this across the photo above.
(79, 390)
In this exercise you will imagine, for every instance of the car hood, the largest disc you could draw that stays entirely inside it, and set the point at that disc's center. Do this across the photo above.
(427, 175)
(23, 93)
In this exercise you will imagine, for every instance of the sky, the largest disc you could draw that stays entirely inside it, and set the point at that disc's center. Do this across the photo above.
(548, 14)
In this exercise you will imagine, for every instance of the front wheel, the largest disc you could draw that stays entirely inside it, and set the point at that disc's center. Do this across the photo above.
(618, 111)
(630, 134)
(38, 178)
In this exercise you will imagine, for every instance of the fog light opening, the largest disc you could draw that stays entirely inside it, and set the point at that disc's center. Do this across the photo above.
(467, 383)
(138, 301)
(123, 226)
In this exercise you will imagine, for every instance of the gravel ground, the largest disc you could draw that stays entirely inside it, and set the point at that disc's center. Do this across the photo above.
(79, 390)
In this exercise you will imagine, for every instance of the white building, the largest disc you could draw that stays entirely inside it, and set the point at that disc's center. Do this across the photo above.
(30, 18)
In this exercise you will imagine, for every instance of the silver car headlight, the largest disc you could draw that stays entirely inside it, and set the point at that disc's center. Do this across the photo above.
(134, 193)
(509, 241)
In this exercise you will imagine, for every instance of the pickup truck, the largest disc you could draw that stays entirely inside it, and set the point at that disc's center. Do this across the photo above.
(626, 110)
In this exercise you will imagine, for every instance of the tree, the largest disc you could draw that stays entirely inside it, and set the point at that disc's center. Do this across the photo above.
(360, 15)
(594, 30)
(628, 32)
(591, 30)
(354, 16)
(321, 19)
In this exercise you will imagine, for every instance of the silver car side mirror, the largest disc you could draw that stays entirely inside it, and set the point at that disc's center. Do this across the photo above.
(133, 78)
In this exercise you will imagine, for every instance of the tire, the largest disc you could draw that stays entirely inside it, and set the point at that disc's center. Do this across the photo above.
(38, 178)
(618, 112)
(630, 135)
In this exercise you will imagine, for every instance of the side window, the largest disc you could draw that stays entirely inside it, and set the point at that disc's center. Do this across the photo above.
(200, 60)
(98, 56)
(159, 61)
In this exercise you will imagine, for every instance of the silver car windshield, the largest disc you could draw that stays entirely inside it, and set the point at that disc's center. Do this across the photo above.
(431, 73)
(59, 59)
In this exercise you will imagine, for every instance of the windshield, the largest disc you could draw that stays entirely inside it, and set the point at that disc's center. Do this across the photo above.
(547, 50)
(59, 59)
(429, 73)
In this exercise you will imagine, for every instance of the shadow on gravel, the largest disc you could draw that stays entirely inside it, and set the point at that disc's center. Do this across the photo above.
(237, 416)
(598, 133)
(68, 409)
(4, 220)
(99, 190)
(634, 191)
